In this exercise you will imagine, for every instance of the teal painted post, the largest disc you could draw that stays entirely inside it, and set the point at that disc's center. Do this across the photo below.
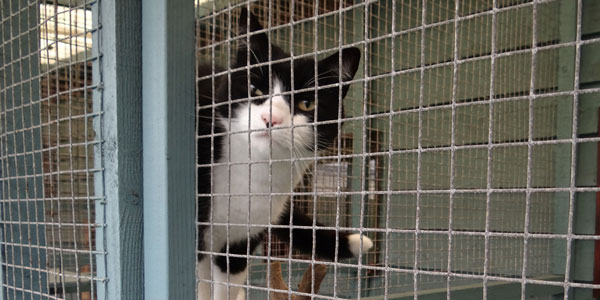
(118, 72)
(22, 233)
(168, 139)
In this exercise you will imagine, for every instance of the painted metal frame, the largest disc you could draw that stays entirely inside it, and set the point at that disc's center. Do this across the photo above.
(168, 142)
(117, 74)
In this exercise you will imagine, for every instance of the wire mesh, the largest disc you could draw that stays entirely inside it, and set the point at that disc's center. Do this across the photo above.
(48, 169)
(467, 150)
(458, 151)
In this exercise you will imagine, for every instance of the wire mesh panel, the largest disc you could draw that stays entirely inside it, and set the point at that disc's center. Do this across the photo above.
(47, 161)
(466, 151)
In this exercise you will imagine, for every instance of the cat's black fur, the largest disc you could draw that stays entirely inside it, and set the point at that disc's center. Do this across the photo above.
(215, 93)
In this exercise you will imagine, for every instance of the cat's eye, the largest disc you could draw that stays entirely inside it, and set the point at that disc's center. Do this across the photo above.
(254, 91)
(306, 105)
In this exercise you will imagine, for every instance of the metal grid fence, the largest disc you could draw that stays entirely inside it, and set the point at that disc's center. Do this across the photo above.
(460, 151)
(48, 170)
(468, 151)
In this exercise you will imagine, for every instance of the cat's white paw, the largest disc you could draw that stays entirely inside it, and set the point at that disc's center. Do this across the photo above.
(354, 243)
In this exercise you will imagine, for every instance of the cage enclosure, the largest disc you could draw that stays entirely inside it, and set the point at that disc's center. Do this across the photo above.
(455, 152)
(465, 152)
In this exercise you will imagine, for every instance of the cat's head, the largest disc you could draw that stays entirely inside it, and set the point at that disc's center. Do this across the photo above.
(273, 111)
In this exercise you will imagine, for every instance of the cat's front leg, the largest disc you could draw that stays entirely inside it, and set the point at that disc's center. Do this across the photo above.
(223, 285)
(229, 270)
(225, 291)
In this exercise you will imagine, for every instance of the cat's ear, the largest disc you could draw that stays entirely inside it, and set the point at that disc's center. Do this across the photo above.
(330, 69)
(259, 42)
(243, 27)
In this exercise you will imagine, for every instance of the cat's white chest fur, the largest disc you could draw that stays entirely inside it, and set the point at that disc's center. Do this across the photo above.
(258, 170)
(244, 196)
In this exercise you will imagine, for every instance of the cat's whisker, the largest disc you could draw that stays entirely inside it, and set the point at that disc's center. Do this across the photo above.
(257, 61)
(319, 76)
(249, 49)
(326, 77)
(309, 83)
(252, 75)
(330, 77)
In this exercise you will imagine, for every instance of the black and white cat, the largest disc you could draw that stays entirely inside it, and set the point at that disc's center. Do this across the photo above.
(246, 136)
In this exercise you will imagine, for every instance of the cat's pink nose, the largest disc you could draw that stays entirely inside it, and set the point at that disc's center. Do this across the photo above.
(271, 120)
